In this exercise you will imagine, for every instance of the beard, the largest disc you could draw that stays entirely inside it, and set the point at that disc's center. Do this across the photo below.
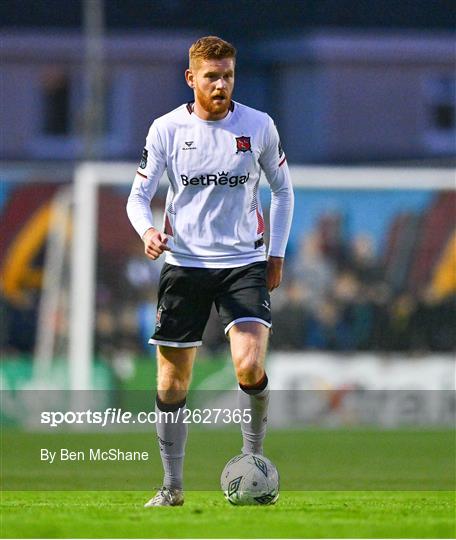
(211, 105)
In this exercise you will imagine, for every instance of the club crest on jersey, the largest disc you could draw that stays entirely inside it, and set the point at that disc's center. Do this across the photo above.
(243, 144)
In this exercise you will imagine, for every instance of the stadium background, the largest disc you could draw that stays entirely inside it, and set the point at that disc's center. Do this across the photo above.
(365, 317)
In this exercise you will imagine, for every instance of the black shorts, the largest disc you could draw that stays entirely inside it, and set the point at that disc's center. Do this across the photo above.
(186, 295)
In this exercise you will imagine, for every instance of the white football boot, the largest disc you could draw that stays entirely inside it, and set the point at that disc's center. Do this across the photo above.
(166, 497)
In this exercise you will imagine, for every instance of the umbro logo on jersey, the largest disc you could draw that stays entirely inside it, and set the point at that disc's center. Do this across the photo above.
(220, 179)
(189, 146)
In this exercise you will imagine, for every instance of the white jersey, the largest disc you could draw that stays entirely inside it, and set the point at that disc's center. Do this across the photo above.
(213, 215)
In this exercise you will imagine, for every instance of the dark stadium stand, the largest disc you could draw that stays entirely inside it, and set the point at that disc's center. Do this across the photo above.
(436, 229)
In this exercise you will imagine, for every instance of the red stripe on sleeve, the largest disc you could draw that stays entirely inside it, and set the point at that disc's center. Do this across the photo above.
(282, 162)
(141, 174)
(168, 228)
(260, 221)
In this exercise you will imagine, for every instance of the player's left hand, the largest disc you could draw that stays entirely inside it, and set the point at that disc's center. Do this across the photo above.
(274, 272)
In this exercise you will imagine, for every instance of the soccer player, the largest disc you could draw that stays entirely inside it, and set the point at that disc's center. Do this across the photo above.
(213, 150)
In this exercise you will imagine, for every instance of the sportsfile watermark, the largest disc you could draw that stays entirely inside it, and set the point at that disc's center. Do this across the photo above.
(135, 410)
(346, 439)
(112, 416)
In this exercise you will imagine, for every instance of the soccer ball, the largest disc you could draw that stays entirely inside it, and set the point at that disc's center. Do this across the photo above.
(250, 479)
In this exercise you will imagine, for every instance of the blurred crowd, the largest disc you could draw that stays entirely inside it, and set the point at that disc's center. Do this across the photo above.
(336, 297)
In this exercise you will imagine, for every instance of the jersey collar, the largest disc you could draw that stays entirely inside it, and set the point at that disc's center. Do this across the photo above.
(190, 106)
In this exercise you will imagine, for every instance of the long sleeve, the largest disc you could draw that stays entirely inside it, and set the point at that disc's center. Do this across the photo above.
(145, 184)
(274, 164)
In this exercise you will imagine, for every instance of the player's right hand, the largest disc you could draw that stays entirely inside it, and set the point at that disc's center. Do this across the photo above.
(154, 243)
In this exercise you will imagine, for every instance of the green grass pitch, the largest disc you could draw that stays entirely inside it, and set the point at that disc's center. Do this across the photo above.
(338, 483)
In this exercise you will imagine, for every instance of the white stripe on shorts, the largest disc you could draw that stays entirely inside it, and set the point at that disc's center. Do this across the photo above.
(247, 319)
(175, 343)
